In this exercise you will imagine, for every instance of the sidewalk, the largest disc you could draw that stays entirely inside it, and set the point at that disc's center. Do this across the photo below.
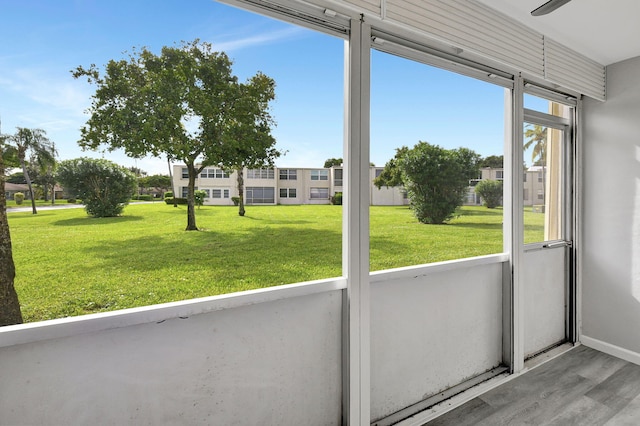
(44, 207)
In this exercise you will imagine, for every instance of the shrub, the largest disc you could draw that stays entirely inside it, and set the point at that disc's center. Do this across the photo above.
(236, 200)
(168, 194)
(336, 200)
(199, 197)
(18, 197)
(71, 200)
(104, 187)
(142, 197)
(491, 192)
(177, 200)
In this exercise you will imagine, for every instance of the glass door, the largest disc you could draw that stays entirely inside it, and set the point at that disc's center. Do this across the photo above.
(547, 219)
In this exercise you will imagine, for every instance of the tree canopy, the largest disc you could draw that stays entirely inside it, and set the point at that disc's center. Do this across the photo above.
(184, 104)
(493, 161)
(42, 150)
(436, 179)
(104, 187)
(330, 162)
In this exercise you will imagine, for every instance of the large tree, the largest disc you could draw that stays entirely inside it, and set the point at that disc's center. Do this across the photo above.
(9, 304)
(178, 104)
(35, 142)
(247, 140)
(436, 179)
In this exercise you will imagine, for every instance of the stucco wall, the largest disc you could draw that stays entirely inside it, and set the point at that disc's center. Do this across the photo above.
(611, 252)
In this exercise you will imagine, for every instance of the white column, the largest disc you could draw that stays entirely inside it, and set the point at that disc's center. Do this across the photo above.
(355, 249)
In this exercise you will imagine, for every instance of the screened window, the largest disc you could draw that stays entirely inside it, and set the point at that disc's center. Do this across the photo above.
(214, 173)
(219, 193)
(337, 177)
(185, 173)
(260, 174)
(319, 174)
(397, 86)
(319, 193)
(288, 193)
(288, 174)
(185, 191)
(260, 195)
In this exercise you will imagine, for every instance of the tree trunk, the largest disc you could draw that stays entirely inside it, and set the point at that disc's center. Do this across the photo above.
(173, 190)
(9, 304)
(240, 192)
(191, 211)
(28, 179)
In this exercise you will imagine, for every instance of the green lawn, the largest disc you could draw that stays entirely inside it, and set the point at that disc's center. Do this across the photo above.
(70, 264)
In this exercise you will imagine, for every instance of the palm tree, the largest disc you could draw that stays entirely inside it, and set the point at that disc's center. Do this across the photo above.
(35, 141)
(536, 138)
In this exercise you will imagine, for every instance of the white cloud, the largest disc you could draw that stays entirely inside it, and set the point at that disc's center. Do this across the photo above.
(258, 39)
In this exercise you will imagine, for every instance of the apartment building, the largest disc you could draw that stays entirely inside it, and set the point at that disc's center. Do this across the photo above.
(271, 186)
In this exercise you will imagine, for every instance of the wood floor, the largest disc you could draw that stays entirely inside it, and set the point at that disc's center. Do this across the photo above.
(582, 387)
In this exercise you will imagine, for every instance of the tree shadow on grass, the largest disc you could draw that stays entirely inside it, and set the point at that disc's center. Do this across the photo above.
(88, 220)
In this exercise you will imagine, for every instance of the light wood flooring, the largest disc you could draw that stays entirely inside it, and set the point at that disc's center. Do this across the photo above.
(582, 387)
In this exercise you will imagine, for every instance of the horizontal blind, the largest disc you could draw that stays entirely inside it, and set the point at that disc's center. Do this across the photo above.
(373, 6)
(472, 26)
(569, 69)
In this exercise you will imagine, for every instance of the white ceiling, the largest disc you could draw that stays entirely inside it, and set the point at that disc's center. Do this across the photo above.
(606, 31)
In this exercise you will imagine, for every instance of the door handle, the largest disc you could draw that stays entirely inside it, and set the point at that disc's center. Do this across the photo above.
(555, 244)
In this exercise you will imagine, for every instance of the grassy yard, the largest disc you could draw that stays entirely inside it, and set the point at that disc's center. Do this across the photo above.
(70, 264)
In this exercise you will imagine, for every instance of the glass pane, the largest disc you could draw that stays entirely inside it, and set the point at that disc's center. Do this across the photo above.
(543, 183)
(426, 198)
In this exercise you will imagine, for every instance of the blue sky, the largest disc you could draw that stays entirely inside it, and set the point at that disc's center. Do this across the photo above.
(43, 40)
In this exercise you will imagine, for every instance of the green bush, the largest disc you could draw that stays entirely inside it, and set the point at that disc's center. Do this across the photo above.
(177, 200)
(336, 200)
(168, 194)
(18, 197)
(199, 197)
(71, 200)
(491, 192)
(142, 197)
(104, 187)
(236, 200)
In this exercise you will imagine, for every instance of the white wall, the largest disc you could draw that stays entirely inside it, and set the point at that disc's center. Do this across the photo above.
(272, 363)
(432, 328)
(611, 251)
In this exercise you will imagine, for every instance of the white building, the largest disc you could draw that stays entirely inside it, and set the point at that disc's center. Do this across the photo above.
(280, 186)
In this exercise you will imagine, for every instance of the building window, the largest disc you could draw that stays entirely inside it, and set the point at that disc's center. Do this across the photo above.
(185, 191)
(499, 174)
(379, 172)
(539, 176)
(319, 193)
(288, 174)
(337, 177)
(524, 177)
(288, 193)
(320, 175)
(260, 195)
(219, 193)
(540, 195)
(185, 173)
(260, 174)
(214, 173)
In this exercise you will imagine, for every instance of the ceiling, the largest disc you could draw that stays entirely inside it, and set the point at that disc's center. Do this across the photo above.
(605, 31)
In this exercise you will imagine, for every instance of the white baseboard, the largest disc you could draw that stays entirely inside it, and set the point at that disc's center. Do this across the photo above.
(610, 349)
